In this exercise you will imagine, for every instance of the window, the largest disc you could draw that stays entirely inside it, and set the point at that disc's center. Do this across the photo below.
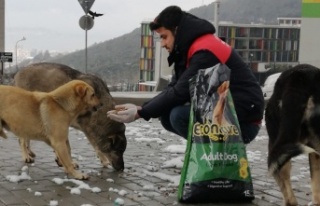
(266, 45)
(256, 32)
(241, 32)
(274, 34)
(241, 44)
(288, 45)
(295, 45)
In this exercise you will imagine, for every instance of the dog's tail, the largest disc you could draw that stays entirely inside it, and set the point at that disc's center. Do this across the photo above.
(290, 151)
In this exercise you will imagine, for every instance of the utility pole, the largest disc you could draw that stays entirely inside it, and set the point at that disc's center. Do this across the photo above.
(86, 23)
(216, 15)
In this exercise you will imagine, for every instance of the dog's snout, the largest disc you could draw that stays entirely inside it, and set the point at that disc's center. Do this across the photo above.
(118, 165)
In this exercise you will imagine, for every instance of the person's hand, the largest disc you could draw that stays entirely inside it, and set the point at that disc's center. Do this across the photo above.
(125, 113)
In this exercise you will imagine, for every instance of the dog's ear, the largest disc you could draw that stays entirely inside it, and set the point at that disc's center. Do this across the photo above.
(81, 90)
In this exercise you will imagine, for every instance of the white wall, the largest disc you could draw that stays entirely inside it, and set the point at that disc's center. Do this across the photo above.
(162, 69)
(2, 21)
(310, 41)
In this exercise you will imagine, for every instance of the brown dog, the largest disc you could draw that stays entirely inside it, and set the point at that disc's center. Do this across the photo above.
(106, 136)
(47, 116)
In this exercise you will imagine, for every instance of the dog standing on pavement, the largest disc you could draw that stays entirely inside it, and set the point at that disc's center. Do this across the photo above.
(47, 116)
(105, 135)
(292, 119)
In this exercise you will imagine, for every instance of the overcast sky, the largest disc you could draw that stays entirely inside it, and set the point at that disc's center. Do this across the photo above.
(54, 24)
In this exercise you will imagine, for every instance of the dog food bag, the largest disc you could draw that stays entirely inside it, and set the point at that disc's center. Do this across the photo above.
(216, 167)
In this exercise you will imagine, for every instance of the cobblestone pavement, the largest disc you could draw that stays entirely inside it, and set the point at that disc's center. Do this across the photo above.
(132, 185)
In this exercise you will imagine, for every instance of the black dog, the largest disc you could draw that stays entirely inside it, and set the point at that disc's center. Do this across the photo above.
(292, 119)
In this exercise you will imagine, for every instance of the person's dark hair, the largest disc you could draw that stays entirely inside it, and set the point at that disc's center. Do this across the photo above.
(169, 18)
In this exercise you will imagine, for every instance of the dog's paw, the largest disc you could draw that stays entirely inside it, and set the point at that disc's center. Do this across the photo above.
(106, 164)
(103, 158)
(3, 134)
(75, 165)
(58, 162)
(104, 161)
(81, 176)
(85, 177)
(28, 160)
(31, 154)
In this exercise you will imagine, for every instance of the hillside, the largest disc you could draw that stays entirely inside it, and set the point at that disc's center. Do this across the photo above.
(117, 60)
(251, 11)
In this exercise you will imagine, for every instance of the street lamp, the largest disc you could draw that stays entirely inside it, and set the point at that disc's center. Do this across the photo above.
(23, 38)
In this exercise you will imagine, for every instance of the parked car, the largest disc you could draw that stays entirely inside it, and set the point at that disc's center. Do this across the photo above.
(268, 85)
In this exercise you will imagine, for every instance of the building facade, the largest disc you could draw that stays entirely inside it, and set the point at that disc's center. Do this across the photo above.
(264, 46)
(289, 21)
(154, 69)
(147, 57)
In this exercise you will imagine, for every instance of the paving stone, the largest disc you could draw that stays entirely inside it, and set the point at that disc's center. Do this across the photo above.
(35, 201)
(11, 200)
(167, 200)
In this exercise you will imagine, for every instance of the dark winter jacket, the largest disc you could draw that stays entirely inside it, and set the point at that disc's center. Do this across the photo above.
(245, 90)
